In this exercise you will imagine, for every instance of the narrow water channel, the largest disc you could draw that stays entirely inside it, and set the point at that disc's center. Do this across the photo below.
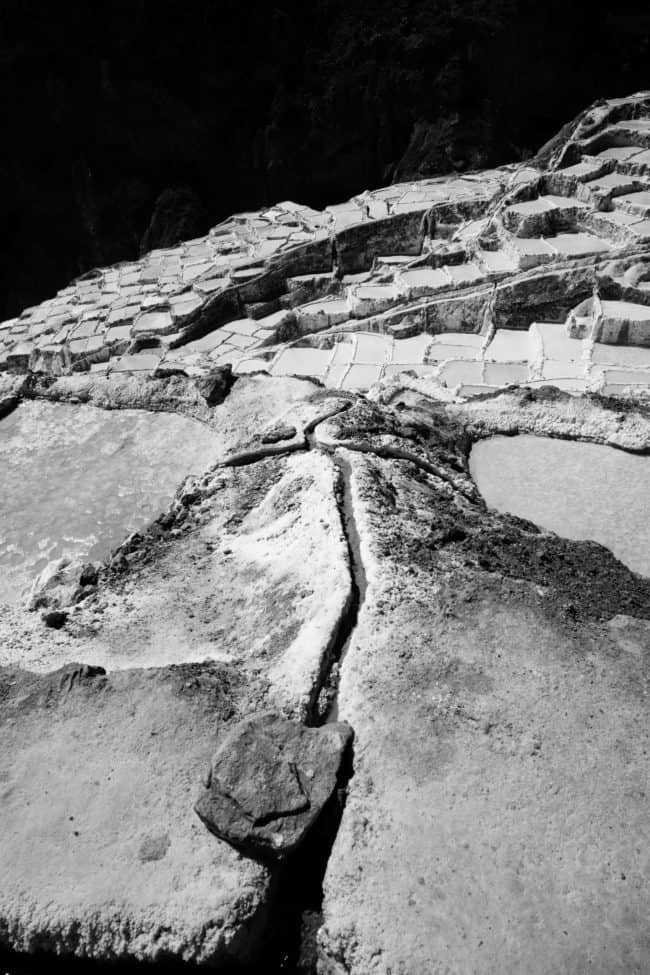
(577, 490)
(358, 579)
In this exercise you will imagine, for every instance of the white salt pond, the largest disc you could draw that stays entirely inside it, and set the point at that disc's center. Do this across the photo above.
(578, 490)
(76, 480)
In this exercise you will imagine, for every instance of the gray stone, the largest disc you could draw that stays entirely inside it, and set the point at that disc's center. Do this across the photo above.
(56, 586)
(215, 387)
(88, 575)
(281, 431)
(55, 618)
(269, 780)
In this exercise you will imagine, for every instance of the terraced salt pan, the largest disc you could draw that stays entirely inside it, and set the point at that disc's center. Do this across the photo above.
(578, 490)
(530, 251)
(422, 281)
(508, 345)
(621, 355)
(412, 349)
(302, 362)
(440, 353)
(464, 273)
(635, 202)
(469, 340)
(373, 348)
(620, 218)
(577, 245)
(619, 152)
(76, 480)
(140, 362)
(642, 158)
(626, 311)
(581, 171)
(641, 229)
(556, 369)
(320, 314)
(456, 373)
(505, 373)
(612, 183)
(627, 377)
(361, 377)
(208, 342)
(555, 343)
(251, 365)
(541, 204)
(454, 345)
(419, 368)
(497, 261)
(343, 353)
(468, 390)
(569, 384)
(367, 299)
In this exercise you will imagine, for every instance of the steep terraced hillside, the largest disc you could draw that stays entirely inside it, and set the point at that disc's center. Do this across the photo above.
(328, 711)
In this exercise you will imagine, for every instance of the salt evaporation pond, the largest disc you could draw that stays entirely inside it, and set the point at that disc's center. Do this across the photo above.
(75, 480)
(578, 490)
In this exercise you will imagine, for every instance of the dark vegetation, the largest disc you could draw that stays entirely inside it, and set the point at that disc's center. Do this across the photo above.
(128, 125)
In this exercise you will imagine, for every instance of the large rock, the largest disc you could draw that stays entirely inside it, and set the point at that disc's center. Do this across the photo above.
(216, 385)
(101, 854)
(56, 585)
(269, 781)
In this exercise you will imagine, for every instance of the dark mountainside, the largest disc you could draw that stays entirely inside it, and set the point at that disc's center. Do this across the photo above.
(128, 126)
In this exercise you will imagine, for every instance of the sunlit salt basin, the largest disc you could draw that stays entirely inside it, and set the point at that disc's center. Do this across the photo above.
(76, 480)
(578, 490)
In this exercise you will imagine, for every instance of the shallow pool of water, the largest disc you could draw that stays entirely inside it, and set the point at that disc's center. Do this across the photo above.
(578, 490)
(75, 480)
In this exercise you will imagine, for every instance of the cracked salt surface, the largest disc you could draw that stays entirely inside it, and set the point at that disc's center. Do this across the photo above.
(578, 490)
(76, 480)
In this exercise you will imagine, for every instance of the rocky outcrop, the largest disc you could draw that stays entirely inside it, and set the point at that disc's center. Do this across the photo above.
(216, 385)
(269, 781)
(57, 585)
